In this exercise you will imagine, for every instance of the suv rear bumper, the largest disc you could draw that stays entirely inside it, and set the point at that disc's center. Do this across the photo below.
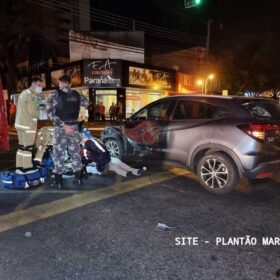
(265, 169)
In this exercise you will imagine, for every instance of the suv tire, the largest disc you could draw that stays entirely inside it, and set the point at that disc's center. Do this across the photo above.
(217, 173)
(114, 147)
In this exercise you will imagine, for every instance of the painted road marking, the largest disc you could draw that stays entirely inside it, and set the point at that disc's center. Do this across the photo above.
(46, 210)
(28, 200)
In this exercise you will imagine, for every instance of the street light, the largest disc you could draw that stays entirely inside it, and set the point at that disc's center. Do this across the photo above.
(210, 77)
(200, 83)
(204, 82)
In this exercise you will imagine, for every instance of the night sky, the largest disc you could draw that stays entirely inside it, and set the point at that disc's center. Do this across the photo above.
(172, 14)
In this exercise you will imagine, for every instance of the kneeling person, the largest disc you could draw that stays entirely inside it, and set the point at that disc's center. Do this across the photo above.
(94, 151)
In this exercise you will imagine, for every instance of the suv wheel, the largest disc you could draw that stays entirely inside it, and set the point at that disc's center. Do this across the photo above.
(217, 173)
(114, 147)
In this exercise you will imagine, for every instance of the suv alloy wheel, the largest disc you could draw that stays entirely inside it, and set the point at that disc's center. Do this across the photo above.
(114, 147)
(217, 173)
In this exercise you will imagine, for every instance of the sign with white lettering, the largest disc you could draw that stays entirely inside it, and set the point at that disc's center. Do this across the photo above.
(102, 73)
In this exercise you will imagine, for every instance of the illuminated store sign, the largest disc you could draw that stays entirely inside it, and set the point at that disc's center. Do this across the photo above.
(149, 78)
(102, 73)
(74, 72)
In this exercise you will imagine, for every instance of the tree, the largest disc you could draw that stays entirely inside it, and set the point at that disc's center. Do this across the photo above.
(250, 62)
(20, 30)
(9, 45)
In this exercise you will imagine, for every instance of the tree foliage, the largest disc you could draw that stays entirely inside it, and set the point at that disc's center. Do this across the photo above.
(21, 39)
(250, 60)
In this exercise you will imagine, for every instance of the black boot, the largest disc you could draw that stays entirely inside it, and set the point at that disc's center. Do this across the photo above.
(78, 177)
(58, 182)
(84, 172)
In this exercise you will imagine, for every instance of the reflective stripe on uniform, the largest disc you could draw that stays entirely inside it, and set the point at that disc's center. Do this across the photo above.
(24, 154)
(85, 153)
(98, 145)
(22, 126)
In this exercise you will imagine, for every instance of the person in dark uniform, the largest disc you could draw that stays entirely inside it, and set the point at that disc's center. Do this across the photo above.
(97, 111)
(63, 109)
(90, 112)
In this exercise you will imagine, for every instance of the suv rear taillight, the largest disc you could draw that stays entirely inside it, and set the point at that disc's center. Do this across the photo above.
(261, 131)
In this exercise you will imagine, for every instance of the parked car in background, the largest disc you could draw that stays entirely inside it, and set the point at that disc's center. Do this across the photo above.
(221, 139)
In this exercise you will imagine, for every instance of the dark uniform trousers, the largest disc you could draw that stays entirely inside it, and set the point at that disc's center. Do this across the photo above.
(62, 142)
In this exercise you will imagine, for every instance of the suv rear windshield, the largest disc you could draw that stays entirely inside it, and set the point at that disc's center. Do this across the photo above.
(263, 109)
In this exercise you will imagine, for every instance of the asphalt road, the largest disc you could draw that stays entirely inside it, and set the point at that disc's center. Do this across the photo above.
(107, 230)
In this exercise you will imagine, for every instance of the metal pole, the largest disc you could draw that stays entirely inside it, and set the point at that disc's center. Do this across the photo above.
(208, 37)
(207, 49)
(206, 85)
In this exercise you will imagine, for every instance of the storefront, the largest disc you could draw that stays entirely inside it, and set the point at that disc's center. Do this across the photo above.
(151, 83)
(132, 85)
(138, 98)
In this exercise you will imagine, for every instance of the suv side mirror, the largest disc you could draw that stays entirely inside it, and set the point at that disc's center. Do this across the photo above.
(126, 120)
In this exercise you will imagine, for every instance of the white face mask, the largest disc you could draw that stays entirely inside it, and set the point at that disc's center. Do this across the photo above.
(65, 89)
(38, 89)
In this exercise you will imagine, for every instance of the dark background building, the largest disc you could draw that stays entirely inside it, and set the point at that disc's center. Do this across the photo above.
(34, 35)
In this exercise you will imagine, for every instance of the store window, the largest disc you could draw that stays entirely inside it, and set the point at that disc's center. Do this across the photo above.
(157, 111)
(107, 97)
(154, 96)
(83, 115)
(133, 103)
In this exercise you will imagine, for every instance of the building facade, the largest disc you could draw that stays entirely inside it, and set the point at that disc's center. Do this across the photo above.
(109, 81)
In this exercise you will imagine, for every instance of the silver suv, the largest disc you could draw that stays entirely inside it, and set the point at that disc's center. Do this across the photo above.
(221, 139)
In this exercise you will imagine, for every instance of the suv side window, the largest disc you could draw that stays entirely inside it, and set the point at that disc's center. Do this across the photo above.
(141, 115)
(156, 111)
(193, 110)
